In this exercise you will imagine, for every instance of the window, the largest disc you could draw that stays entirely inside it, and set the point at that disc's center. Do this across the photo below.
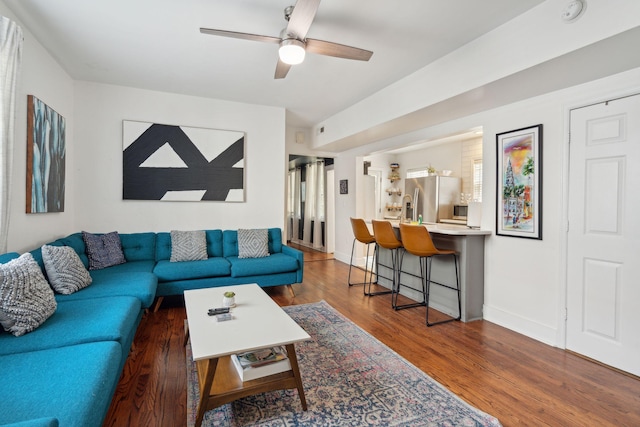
(477, 180)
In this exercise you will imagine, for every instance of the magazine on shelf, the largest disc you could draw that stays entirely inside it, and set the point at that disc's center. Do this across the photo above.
(261, 357)
(261, 363)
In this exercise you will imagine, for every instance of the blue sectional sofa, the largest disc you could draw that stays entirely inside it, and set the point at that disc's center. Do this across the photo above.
(66, 371)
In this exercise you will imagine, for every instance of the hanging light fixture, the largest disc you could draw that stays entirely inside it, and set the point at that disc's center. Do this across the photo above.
(291, 51)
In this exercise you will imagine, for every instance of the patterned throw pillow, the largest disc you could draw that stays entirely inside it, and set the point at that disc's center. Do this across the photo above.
(65, 269)
(253, 243)
(26, 300)
(103, 250)
(188, 246)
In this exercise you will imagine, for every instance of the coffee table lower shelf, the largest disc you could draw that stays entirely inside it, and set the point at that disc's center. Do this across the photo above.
(219, 383)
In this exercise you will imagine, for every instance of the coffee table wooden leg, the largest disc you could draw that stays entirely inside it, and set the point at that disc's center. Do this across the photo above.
(206, 372)
(293, 359)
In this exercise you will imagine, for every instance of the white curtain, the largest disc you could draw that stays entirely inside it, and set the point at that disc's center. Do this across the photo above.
(319, 206)
(10, 60)
(297, 185)
(310, 201)
(314, 208)
(290, 202)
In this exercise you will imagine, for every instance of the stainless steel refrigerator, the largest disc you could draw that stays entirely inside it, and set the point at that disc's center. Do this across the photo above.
(432, 197)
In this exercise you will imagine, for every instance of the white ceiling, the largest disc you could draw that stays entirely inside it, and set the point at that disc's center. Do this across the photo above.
(156, 45)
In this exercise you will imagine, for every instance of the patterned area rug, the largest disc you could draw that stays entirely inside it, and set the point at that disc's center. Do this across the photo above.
(350, 379)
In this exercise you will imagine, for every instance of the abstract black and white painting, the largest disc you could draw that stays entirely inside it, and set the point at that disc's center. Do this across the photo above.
(180, 163)
(46, 158)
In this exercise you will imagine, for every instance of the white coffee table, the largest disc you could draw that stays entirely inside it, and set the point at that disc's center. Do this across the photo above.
(258, 323)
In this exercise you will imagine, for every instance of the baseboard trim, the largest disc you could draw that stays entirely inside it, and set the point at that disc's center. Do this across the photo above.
(526, 327)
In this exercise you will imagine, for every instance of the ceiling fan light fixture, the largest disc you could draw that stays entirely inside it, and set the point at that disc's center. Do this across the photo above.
(291, 51)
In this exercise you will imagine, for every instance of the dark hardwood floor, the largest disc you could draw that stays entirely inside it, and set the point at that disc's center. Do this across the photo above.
(517, 379)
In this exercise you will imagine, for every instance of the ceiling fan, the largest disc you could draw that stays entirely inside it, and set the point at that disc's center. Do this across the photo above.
(293, 42)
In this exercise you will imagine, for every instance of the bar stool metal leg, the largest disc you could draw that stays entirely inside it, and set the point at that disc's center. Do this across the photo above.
(457, 289)
(398, 283)
(393, 274)
(376, 262)
(366, 266)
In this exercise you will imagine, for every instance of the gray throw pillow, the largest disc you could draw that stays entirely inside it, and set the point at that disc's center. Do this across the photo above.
(26, 300)
(65, 270)
(188, 246)
(253, 243)
(103, 250)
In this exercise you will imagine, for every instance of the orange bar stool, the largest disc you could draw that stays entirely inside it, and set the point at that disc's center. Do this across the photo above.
(417, 241)
(361, 234)
(386, 238)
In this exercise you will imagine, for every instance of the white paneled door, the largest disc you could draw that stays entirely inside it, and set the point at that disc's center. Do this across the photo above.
(603, 288)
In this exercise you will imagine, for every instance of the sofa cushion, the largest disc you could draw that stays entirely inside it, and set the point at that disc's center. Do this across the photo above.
(188, 245)
(76, 242)
(253, 243)
(26, 300)
(74, 384)
(211, 267)
(38, 422)
(64, 268)
(5, 258)
(230, 242)
(103, 250)
(138, 246)
(73, 241)
(275, 263)
(127, 267)
(141, 285)
(79, 322)
(214, 244)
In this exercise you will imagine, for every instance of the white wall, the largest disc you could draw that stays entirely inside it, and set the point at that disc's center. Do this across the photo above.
(94, 114)
(42, 77)
(524, 279)
(535, 37)
(100, 110)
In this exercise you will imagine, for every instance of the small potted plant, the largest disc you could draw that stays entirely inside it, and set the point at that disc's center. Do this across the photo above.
(229, 299)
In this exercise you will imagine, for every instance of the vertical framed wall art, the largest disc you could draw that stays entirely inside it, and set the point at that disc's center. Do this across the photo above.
(46, 157)
(519, 183)
(344, 186)
(180, 163)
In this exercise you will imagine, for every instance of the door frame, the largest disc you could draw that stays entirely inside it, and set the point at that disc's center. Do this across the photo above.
(561, 330)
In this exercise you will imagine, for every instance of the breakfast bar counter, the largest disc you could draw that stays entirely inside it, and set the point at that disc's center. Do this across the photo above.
(469, 245)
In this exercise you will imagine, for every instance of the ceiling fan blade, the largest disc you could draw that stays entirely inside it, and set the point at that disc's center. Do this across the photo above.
(301, 18)
(322, 47)
(244, 36)
(281, 70)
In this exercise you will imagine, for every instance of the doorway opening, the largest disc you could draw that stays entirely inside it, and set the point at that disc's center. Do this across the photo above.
(309, 210)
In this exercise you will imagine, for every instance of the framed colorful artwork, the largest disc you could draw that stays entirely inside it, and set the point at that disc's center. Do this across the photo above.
(46, 158)
(519, 183)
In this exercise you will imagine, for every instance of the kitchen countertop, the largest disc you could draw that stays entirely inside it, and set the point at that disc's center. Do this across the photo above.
(449, 229)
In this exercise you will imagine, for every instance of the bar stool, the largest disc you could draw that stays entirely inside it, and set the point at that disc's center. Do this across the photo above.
(417, 241)
(361, 234)
(386, 238)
